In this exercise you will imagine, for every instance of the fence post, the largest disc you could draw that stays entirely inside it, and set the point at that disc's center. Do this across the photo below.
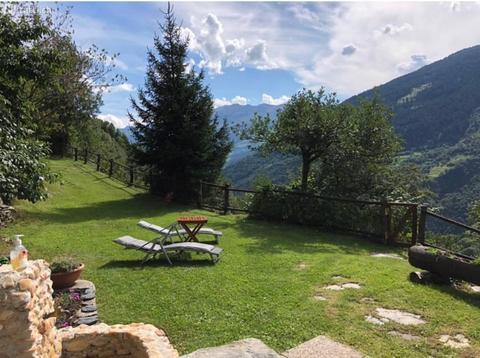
(131, 176)
(387, 222)
(98, 162)
(110, 169)
(422, 223)
(200, 196)
(414, 209)
(75, 153)
(226, 199)
(85, 157)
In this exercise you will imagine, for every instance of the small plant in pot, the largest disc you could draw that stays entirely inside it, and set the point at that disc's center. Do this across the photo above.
(65, 271)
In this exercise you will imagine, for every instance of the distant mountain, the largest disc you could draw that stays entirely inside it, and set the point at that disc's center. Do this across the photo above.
(236, 114)
(437, 113)
(128, 132)
(434, 105)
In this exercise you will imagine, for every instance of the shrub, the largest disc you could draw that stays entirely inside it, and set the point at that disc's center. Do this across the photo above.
(66, 264)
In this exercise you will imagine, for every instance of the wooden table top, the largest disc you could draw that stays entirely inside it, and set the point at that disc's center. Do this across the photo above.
(192, 219)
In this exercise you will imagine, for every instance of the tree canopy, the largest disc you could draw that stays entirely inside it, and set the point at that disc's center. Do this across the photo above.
(178, 137)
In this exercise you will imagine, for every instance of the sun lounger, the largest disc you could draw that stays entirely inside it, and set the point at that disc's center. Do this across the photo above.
(174, 231)
(157, 246)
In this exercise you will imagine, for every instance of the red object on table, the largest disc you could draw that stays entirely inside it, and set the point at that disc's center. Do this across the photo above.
(196, 221)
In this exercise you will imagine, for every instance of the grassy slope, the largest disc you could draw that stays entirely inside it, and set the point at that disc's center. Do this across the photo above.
(256, 290)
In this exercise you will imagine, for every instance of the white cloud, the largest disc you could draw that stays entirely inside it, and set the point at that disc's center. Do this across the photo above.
(118, 122)
(124, 87)
(120, 64)
(208, 40)
(267, 99)
(219, 102)
(416, 62)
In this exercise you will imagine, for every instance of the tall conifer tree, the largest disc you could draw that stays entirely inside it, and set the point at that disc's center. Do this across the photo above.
(178, 137)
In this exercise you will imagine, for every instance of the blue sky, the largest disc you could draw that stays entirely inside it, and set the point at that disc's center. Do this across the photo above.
(264, 52)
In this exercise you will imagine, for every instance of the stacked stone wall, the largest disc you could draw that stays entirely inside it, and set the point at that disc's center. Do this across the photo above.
(27, 325)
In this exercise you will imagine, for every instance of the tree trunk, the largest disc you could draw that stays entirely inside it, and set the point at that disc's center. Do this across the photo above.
(305, 171)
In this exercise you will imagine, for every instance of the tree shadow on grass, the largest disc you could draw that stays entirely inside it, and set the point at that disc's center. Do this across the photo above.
(471, 298)
(136, 207)
(275, 238)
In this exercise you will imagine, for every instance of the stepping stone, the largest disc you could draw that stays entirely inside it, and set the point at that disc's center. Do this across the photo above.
(391, 256)
(405, 318)
(458, 341)
(338, 277)
(355, 286)
(375, 320)
(302, 266)
(246, 348)
(405, 336)
(319, 298)
(343, 286)
(322, 347)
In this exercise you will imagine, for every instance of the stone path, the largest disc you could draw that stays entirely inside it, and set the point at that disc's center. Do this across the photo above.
(343, 286)
(458, 341)
(391, 256)
(246, 348)
(322, 347)
(405, 336)
(386, 315)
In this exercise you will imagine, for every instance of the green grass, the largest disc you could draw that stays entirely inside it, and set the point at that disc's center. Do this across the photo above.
(256, 290)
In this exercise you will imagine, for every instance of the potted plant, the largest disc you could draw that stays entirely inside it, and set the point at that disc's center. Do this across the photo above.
(444, 263)
(65, 271)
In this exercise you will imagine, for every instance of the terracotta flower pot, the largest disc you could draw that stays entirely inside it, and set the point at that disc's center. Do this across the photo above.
(66, 279)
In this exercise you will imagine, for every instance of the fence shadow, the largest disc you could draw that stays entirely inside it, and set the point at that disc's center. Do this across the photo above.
(276, 238)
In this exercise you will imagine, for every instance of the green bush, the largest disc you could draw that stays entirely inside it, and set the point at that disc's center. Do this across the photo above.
(66, 264)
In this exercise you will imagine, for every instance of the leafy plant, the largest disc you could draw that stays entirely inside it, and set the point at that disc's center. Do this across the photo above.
(4, 260)
(66, 305)
(65, 264)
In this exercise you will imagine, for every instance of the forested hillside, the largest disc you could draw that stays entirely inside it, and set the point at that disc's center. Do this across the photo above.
(437, 114)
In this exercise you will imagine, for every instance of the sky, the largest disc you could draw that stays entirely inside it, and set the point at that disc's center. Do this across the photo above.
(263, 52)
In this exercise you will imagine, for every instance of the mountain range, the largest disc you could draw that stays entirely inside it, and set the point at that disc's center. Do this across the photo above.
(436, 113)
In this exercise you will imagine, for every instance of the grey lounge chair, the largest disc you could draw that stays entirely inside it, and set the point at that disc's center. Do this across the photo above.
(174, 231)
(157, 245)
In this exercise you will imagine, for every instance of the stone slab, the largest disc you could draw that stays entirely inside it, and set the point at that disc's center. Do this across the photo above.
(322, 347)
(405, 336)
(245, 348)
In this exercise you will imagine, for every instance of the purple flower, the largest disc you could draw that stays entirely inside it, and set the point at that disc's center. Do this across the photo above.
(65, 324)
(75, 296)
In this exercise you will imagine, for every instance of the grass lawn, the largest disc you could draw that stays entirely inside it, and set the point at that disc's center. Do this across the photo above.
(262, 287)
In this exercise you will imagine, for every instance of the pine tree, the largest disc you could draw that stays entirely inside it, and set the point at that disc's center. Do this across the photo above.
(177, 135)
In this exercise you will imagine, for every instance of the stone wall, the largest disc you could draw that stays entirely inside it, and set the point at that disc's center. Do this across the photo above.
(134, 340)
(27, 328)
(7, 214)
(27, 324)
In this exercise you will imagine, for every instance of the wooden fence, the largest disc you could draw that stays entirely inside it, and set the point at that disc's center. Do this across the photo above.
(128, 174)
(390, 222)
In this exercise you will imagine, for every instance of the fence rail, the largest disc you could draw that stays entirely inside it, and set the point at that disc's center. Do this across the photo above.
(389, 221)
(128, 174)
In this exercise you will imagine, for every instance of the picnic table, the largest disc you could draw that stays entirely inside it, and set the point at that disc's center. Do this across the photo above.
(192, 225)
